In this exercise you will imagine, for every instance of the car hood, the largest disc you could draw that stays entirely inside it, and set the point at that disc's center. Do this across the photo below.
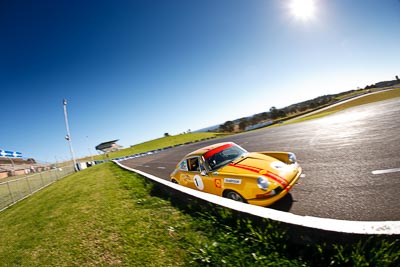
(256, 164)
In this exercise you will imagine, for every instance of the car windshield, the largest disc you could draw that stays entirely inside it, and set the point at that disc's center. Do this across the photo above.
(221, 157)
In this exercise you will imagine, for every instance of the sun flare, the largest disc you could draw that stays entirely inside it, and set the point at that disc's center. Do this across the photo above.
(302, 9)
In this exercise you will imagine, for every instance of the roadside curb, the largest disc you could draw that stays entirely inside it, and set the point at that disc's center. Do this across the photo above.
(388, 228)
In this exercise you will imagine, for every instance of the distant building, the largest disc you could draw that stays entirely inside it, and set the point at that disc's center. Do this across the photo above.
(10, 166)
(109, 146)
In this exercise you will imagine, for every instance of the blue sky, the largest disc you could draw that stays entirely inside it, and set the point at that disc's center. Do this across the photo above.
(134, 70)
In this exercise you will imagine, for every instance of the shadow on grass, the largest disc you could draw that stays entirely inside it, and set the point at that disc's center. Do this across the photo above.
(298, 234)
(256, 239)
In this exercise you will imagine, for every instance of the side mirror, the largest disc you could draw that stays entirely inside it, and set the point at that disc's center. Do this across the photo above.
(203, 173)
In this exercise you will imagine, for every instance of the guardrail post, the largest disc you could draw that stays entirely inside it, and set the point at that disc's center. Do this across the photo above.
(55, 171)
(29, 186)
(9, 190)
(41, 178)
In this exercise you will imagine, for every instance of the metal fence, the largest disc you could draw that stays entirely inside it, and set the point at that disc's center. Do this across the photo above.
(15, 190)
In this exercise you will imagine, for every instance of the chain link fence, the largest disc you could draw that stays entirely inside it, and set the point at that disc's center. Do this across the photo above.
(15, 190)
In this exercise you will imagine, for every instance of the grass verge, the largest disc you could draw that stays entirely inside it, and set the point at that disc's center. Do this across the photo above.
(106, 216)
(102, 216)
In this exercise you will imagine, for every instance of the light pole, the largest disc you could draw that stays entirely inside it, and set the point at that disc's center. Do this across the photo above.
(68, 136)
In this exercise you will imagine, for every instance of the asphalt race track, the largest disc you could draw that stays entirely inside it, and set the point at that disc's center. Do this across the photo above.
(350, 160)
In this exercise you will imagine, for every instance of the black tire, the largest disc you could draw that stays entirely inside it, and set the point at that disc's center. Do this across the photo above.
(174, 181)
(234, 196)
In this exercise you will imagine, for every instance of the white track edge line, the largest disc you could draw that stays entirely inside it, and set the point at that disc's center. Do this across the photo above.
(342, 226)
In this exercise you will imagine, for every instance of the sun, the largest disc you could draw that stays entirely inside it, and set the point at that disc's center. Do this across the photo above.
(302, 9)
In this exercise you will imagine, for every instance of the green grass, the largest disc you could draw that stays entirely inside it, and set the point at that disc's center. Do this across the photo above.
(106, 216)
(98, 217)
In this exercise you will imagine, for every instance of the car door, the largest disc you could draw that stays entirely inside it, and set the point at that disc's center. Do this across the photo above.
(188, 171)
(193, 175)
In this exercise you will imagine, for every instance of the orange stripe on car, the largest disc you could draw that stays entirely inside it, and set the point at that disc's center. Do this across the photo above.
(277, 178)
(269, 174)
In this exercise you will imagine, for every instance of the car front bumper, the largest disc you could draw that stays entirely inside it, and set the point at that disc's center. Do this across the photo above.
(269, 201)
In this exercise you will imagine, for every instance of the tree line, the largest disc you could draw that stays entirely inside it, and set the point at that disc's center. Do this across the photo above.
(275, 114)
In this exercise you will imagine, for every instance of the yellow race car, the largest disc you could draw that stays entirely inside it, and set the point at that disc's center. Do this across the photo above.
(228, 170)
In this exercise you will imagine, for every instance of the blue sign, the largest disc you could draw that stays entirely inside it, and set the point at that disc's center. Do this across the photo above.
(10, 154)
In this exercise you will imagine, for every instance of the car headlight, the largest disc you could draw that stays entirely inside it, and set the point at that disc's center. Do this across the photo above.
(263, 183)
(292, 158)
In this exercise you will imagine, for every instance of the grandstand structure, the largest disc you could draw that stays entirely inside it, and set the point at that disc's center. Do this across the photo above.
(108, 146)
(19, 166)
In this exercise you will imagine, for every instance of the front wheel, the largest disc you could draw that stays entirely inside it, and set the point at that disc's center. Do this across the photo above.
(174, 181)
(234, 196)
